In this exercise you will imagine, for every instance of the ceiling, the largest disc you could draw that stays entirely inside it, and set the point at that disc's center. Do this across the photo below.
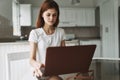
(62, 3)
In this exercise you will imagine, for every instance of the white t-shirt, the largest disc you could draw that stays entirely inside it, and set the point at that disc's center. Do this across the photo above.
(43, 40)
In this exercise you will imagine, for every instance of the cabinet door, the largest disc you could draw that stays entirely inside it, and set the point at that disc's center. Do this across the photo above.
(85, 17)
(70, 16)
(67, 17)
(63, 20)
(90, 17)
(80, 17)
(25, 14)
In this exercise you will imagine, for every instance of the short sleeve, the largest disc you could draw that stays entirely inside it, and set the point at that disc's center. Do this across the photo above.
(33, 36)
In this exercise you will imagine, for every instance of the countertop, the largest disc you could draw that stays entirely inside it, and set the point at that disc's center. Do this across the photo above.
(85, 38)
(15, 42)
(89, 38)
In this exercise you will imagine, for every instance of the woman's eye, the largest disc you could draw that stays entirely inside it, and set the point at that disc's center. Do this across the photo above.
(54, 15)
(48, 14)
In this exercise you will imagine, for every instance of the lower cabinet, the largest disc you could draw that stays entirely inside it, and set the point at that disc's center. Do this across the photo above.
(98, 50)
(14, 59)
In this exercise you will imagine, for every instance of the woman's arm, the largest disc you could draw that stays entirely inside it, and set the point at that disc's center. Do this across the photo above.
(35, 64)
(63, 43)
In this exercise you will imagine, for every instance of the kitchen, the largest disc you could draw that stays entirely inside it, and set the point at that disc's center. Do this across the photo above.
(89, 30)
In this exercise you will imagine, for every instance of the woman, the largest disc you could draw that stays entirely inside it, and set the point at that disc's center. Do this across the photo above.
(47, 34)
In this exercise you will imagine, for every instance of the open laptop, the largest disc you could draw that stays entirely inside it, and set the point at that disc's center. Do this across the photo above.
(69, 59)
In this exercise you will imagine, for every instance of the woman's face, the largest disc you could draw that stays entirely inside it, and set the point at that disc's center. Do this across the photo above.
(50, 16)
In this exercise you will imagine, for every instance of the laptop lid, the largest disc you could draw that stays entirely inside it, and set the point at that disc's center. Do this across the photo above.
(69, 59)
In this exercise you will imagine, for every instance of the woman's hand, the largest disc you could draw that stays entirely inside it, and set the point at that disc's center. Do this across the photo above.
(37, 72)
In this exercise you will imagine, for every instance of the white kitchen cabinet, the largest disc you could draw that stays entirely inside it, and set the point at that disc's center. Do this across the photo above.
(25, 15)
(80, 17)
(98, 50)
(90, 17)
(67, 17)
(85, 17)
(17, 66)
(77, 17)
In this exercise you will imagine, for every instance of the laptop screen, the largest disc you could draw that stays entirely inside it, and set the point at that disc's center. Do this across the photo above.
(69, 59)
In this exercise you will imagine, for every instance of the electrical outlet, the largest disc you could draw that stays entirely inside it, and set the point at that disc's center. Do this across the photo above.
(106, 29)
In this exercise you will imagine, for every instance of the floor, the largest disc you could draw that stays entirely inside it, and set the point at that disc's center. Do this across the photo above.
(106, 69)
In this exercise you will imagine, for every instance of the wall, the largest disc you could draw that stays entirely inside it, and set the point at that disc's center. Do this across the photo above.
(99, 2)
(5, 28)
(6, 21)
(119, 2)
(6, 9)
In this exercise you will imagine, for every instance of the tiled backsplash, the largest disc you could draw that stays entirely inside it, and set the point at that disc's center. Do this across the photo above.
(25, 30)
(83, 32)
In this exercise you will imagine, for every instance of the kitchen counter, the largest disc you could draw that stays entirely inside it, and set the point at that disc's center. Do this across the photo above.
(89, 38)
(16, 42)
(7, 40)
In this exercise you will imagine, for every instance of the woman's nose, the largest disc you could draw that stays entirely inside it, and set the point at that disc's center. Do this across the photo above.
(51, 17)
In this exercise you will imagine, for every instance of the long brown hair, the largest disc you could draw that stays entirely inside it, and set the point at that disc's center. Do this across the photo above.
(47, 4)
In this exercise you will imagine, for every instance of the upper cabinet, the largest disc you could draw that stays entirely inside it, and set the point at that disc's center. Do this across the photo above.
(90, 17)
(67, 17)
(25, 15)
(77, 17)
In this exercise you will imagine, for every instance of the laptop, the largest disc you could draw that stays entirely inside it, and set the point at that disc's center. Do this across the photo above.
(69, 59)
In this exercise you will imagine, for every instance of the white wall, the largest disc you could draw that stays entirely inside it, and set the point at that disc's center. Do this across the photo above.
(6, 9)
(119, 2)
